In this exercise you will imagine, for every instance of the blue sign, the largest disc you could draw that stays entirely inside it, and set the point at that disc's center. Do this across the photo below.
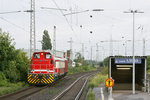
(127, 61)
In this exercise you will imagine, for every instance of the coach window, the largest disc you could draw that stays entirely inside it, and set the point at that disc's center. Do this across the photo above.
(47, 56)
(36, 56)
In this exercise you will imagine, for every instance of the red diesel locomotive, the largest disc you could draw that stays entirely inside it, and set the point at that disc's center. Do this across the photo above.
(45, 68)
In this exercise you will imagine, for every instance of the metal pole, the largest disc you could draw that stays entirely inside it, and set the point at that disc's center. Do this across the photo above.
(97, 54)
(143, 46)
(91, 53)
(125, 48)
(83, 50)
(133, 78)
(54, 42)
(111, 46)
(148, 85)
(32, 28)
(71, 48)
(133, 69)
(31, 31)
(71, 55)
(103, 57)
(110, 67)
(145, 74)
(34, 25)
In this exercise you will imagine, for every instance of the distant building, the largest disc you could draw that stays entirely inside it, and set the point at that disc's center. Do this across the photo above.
(73, 64)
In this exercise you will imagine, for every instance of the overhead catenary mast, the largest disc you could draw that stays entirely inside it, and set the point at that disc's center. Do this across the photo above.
(54, 42)
(32, 28)
(71, 53)
(83, 50)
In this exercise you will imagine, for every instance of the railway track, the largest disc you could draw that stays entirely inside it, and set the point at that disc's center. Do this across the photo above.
(75, 83)
(22, 93)
(74, 91)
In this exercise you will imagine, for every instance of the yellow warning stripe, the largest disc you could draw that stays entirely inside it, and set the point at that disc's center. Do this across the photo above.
(31, 78)
(43, 81)
(50, 79)
(51, 76)
(46, 78)
(29, 75)
(35, 79)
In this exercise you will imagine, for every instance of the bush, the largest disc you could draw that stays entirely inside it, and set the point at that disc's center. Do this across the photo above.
(148, 62)
(12, 87)
(3, 80)
(104, 71)
(13, 62)
(98, 78)
(91, 95)
(72, 70)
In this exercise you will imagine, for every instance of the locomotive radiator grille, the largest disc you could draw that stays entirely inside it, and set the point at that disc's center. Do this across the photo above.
(40, 79)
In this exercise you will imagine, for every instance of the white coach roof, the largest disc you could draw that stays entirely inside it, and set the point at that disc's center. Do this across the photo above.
(61, 59)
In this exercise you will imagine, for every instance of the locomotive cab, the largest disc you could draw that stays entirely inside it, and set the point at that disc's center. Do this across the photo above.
(42, 63)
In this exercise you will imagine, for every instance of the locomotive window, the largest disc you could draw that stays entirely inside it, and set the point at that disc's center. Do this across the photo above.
(47, 56)
(36, 56)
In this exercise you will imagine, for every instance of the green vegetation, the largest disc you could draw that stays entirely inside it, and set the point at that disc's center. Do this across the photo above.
(12, 87)
(13, 65)
(104, 62)
(79, 60)
(98, 78)
(148, 64)
(148, 71)
(81, 65)
(91, 95)
(72, 70)
(96, 81)
(46, 42)
(52, 92)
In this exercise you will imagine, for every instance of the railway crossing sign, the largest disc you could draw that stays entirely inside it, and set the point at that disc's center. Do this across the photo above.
(109, 82)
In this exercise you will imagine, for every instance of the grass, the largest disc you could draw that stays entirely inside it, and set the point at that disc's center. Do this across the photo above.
(95, 81)
(53, 92)
(98, 78)
(91, 95)
(11, 87)
(73, 70)
(148, 71)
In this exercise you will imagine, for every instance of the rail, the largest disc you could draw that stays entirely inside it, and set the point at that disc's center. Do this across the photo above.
(79, 94)
(21, 94)
(67, 89)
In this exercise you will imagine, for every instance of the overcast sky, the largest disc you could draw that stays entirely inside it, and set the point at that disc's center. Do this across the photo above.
(112, 21)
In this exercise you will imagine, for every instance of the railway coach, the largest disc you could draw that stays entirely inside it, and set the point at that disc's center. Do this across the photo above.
(45, 68)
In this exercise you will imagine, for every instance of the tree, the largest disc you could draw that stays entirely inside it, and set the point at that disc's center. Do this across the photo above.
(79, 60)
(148, 62)
(105, 62)
(46, 42)
(13, 63)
